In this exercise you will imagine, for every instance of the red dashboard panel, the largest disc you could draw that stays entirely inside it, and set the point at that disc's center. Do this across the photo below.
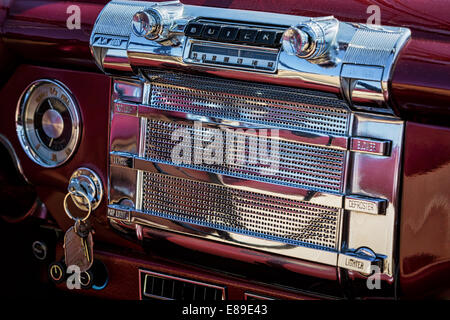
(124, 270)
(92, 92)
(425, 229)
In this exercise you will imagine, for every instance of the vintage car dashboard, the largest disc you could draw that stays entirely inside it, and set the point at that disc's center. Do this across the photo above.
(226, 153)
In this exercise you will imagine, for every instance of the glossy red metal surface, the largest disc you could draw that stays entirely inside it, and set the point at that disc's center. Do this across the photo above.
(420, 84)
(37, 31)
(123, 283)
(425, 220)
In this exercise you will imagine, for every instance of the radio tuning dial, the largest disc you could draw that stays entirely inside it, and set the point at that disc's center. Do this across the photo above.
(296, 42)
(311, 39)
(159, 23)
(146, 24)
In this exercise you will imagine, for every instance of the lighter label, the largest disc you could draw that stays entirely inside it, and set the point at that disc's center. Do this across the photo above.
(118, 214)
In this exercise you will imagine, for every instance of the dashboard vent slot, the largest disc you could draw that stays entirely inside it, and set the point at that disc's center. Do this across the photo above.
(166, 287)
(279, 107)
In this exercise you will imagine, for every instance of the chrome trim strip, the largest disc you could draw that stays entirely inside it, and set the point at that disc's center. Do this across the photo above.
(334, 142)
(142, 137)
(142, 146)
(256, 296)
(138, 190)
(334, 200)
(147, 93)
(327, 257)
(142, 149)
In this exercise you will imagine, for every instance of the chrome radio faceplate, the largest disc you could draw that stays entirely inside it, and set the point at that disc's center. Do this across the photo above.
(210, 138)
(324, 194)
(355, 60)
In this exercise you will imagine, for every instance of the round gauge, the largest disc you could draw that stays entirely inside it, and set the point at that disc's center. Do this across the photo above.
(48, 123)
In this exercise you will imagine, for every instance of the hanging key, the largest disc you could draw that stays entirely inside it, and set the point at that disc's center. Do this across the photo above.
(78, 241)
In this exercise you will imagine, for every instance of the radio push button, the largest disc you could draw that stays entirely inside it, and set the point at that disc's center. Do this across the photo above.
(247, 35)
(266, 38)
(193, 30)
(228, 34)
(211, 32)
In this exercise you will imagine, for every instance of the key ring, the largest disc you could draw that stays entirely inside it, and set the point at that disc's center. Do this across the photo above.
(77, 193)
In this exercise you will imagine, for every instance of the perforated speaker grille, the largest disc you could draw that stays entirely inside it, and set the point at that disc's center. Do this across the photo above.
(278, 107)
(240, 155)
(246, 212)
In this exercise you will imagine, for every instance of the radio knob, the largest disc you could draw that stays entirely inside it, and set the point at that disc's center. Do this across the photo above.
(160, 23)
(146, 24)
(296, 42)
(311, 39)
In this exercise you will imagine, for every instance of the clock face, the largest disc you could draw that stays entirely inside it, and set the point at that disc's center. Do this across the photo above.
(48, 123)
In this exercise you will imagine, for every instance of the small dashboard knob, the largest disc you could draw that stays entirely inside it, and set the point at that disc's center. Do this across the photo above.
(311, 39)
(296, 42)
(147, 24)
(158, 23)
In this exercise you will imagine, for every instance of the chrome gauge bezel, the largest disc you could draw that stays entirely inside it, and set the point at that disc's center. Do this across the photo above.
(31, 99)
